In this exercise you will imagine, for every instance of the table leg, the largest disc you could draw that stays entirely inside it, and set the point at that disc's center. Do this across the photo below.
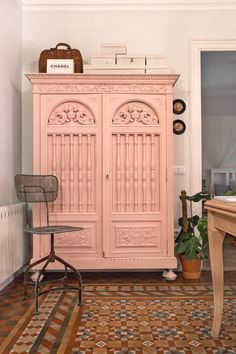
(216, 238)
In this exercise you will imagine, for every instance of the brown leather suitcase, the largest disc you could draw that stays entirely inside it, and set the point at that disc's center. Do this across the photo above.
(55, 53)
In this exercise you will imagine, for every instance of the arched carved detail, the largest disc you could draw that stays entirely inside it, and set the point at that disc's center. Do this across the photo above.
(135, 113)
(80, 239)
(71, 113)
(135, 236)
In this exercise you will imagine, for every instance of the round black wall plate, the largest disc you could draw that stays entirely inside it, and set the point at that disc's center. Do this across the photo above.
(178, 126)
(179, 106)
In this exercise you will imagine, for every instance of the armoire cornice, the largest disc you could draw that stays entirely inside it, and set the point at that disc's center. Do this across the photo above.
(34, 5)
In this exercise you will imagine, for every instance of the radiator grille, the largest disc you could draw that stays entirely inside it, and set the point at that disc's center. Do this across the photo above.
(14, 246)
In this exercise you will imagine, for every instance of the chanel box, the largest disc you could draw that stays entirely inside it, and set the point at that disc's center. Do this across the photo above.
(60, 66)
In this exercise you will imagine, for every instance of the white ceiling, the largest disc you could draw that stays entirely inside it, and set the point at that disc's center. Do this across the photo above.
(152, 4)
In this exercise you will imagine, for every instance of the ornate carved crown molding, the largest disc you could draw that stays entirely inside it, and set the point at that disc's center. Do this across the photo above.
(101, 88)
(71, 113)
(135, 113)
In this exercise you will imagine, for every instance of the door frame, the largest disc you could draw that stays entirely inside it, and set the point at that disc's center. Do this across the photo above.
(196, 48)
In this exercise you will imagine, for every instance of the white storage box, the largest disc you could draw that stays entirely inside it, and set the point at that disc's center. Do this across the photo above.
(103, 60)
(130, 60)
(60, 66)
(113, 48)
(115, 69)
(156, 61)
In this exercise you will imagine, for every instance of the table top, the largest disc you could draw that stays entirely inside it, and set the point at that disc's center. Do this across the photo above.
(220, 206)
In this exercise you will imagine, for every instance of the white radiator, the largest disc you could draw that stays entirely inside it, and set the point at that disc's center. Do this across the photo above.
(14, 245)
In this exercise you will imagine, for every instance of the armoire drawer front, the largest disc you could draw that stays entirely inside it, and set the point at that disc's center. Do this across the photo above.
(136, 239)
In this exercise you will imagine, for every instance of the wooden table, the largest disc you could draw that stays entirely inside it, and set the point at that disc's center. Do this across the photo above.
(221, 220)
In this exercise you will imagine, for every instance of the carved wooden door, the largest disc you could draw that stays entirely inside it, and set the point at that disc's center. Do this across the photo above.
(71, 149)
(134, 175)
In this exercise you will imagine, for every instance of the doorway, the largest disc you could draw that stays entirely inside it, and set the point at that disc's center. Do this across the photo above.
(203, 51)
(218, 90)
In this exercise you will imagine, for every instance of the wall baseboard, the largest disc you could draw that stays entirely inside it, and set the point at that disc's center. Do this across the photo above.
(11, 278)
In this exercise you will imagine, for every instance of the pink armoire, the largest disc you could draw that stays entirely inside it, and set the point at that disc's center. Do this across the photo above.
(108, 139)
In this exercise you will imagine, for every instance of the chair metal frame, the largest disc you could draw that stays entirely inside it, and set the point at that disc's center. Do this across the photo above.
(39, 193)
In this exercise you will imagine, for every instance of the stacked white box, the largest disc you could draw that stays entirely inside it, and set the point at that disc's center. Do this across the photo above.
(103, 60)
(156, 61)
(115, 69)
(129, 60)
(113, 48)
(114, 59)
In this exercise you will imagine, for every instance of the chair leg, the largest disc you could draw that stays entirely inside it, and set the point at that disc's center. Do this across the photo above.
(26, 272)
(78, 276)
(36, 307)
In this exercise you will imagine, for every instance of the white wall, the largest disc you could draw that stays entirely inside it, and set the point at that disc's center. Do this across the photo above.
(164, 32)
(10, 98)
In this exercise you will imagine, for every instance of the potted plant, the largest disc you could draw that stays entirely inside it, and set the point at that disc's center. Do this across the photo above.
(191, 245)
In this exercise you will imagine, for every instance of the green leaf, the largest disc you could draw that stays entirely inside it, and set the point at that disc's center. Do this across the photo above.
(229, 193)
(194, 220)
(200, 196)
(189, 243)
(181, 247)
(203, 230)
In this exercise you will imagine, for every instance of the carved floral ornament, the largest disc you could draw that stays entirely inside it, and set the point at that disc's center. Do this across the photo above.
(81, 239)
(71, 113)
(145, 236)
(136, 114)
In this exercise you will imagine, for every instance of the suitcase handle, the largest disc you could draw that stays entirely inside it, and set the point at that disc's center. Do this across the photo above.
(62, 44)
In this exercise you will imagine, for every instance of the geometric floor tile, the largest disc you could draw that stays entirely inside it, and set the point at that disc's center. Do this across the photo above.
(121, 318)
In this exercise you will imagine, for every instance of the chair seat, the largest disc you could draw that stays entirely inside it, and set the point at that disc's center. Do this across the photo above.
(57, 229)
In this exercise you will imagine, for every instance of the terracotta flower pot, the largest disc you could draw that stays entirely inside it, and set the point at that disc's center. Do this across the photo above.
(191, 267)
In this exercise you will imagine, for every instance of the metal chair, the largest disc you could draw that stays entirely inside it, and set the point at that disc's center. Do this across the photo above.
(44, 189)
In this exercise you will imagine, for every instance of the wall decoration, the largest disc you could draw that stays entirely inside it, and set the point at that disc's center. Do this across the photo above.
(178, 126)
(179, 106)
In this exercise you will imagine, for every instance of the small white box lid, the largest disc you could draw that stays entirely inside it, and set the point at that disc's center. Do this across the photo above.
(129, 56)
(113, 48)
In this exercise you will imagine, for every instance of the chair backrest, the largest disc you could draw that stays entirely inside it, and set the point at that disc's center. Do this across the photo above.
(36, 188)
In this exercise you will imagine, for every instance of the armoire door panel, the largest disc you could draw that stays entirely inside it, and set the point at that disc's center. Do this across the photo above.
(71, 140)
(137, 171)
(71, 157)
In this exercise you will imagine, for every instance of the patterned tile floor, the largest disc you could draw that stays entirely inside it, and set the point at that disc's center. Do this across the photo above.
(122, 314)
